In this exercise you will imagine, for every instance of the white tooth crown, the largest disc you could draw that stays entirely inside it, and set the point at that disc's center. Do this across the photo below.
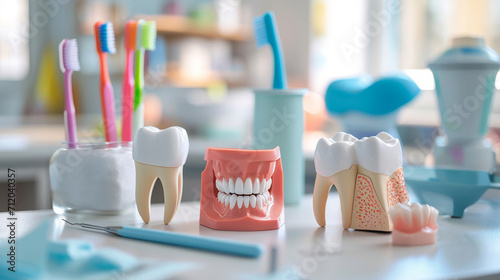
(379, 154)
(335, 154)
(168, 147)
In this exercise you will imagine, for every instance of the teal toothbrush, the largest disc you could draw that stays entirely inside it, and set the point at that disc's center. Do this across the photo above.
(266, 33)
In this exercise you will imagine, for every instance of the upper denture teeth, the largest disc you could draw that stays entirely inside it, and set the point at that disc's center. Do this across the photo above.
(224, 185)
(238, 186)
(263, 186)
(247, 188)
(268, 184)
(256, 186)
(230, 188)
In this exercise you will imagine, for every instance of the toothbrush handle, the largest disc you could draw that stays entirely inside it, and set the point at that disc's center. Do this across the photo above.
(279, 81)
(69, 111)
(138, 115)
(139, 77)
(193, 241)
(109, 112)
(107, 102)
(127, 98)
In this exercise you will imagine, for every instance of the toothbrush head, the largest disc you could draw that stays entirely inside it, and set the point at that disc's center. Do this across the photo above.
(130, 34)
(68, 55)
(148, 35)
(138, 34)
(105, 37)
(265, 29)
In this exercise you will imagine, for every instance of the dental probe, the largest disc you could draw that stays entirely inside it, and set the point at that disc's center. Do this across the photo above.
(183, 240)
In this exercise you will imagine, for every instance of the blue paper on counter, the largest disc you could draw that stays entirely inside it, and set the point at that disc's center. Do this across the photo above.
(37, 257)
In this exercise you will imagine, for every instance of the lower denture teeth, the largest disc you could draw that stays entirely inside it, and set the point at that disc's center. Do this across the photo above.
(226, 200)
(253, 201)
(240, 201)
(246, 200)
(232, 201)
(259, 201)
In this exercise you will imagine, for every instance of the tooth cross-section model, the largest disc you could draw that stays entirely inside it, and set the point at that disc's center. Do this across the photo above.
(414, 224)
(159, 154)
(242, 189)
(367, 174)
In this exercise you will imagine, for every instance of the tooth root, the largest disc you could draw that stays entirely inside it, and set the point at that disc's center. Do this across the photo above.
(247, 188)
(344, 182)
(246, 200)
(171, 179)
(145, 178)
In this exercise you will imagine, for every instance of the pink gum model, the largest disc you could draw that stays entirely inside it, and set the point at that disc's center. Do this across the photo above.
(242, 190)
(414, 224)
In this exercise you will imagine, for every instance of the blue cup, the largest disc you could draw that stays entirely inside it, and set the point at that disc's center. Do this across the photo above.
(279, 121)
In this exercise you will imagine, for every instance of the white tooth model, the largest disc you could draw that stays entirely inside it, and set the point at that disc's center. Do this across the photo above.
(414, 224)
(367, 174)
(159, 154)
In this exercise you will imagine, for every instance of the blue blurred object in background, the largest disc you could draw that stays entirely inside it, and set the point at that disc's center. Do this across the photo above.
(365, 107)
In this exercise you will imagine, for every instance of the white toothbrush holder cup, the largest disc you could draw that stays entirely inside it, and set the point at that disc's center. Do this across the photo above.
(94, 178)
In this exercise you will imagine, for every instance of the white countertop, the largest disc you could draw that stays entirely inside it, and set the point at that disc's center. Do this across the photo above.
(466, 248)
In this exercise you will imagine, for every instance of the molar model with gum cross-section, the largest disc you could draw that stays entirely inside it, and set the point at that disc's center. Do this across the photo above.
(242, 190)
(159, 154)
(368, 176)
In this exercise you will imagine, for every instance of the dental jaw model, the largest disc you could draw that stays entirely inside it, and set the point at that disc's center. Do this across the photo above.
(159, 154)
(368, 176)
(414, 224)
(242, 190)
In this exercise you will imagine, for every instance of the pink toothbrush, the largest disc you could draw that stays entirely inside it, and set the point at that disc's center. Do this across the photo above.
(68, 59)
(128, 81)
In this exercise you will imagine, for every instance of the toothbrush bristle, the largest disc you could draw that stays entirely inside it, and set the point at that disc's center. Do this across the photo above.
(70, 55)
(107, 38)
(148, 35)
(260, 30)
(130, 30)
(138, 34)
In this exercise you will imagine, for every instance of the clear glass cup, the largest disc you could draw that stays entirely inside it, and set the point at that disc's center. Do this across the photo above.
(97, 178)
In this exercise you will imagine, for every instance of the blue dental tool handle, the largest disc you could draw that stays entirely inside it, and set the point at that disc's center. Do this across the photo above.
(192, 241)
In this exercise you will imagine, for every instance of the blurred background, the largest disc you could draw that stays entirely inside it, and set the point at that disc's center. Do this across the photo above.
(205, 64)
